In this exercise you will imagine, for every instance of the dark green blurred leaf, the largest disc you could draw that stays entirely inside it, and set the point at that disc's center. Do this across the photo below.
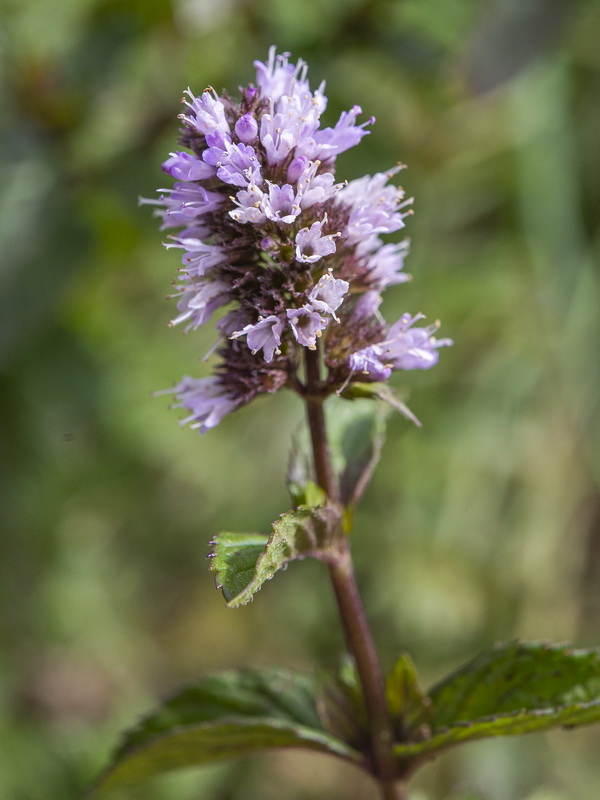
(341, 706)
(242, 565)
(514, 689)
(517, 676)
(361, 442)
(221, 717)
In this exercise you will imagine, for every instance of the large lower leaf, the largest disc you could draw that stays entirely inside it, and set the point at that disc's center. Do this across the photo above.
(518, 676)
(243, 562)
(516, 688)
(223, 716)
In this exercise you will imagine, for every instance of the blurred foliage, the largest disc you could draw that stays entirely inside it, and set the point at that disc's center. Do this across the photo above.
(487, 519)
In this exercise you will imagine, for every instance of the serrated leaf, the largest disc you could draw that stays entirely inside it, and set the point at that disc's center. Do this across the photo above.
(220, 717)
(234, 557)
(514, 689)
(516, 676)
(303, 533)
(409, 707)
(513, 724)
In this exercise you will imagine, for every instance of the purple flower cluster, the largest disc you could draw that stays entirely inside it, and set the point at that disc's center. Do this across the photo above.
(289, 255)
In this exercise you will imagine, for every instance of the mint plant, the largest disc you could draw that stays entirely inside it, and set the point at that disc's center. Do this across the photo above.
(296, 261)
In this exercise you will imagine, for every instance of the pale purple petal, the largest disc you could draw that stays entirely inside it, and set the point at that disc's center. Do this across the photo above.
(206, 399)
(185, 167)
(330, 142)
(197, 301)
(250, 204)
(246, 128)
(297, 168)
(281, 205)
(412, 348)
(278, 136)
(368, 362)
(265, 335)
(386, 264)
(311, 245)
(207, 113)
(306, 325)
(328, 294)
(366, 306)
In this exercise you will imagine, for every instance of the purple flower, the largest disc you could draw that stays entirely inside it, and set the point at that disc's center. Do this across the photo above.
(306, 324)
(250, 204)
(206, 399)
(281, 203)
(367, 305)
(405, 347)
(246, 129)
(207, 113)
(413, 348)
(184, 167)
(278, 136)
(199, 300)
(186, 203)
(328, 294)
(315, 187)
(235, 163)
(385, 265)
(277, 77)
(331, 142)
(374, 207)
(297, 168)
(368, 362)
(257, 209)
(265, 335)
(311, 245)
(199, 255)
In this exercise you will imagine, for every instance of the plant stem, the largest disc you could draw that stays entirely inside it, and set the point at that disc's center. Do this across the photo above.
(359, 639)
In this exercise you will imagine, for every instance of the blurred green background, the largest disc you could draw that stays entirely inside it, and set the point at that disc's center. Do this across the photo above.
(482, 526)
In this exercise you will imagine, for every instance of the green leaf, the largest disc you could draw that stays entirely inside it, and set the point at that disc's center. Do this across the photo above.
(382, 391)
(223, 716)
(234, 557)
(515, 676)
(341, 706)
(306, 494)
(356, 432)
(243, 562)
(361, 441)
(410, 708)
(514, 689)
(299, 477)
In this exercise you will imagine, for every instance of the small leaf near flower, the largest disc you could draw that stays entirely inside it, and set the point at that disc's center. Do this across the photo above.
(243, 563)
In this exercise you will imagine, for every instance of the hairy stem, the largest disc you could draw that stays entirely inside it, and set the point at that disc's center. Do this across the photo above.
(359, 639)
